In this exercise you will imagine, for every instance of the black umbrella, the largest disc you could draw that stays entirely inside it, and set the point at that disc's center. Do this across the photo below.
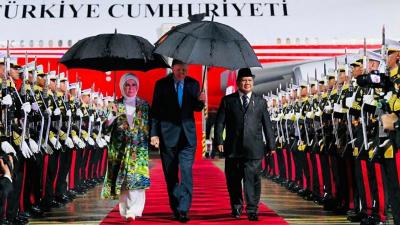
(111, 52)
(107, 52)
(208, 43)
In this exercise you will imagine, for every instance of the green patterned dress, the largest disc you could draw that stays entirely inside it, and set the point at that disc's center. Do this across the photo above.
(128, 159)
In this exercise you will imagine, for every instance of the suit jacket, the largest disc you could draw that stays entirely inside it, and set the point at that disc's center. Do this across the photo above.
(5, 185)
(244, 128)
(167, 118)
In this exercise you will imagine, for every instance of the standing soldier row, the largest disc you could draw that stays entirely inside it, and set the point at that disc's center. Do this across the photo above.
(54, 132)
(338, 137)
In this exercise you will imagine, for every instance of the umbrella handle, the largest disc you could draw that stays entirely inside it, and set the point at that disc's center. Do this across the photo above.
(203, 78)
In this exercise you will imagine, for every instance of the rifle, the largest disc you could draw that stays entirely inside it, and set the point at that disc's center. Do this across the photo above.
(90, 110)
(34, 78)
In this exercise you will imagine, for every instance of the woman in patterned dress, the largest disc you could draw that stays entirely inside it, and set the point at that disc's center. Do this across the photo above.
(128, 161)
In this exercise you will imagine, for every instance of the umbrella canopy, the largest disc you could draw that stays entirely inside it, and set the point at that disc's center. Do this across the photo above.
(107, 52)
(208, 43)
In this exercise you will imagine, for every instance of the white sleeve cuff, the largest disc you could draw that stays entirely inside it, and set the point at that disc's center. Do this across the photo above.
(8, 177)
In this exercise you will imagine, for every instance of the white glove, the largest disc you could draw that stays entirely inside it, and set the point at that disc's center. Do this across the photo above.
(99, 142)
(310, 115)
(298, 116)
(7, 100)
(26, 151)
(55, 143)
(26, 107)
(78, 142)
(79, 113)
(98, 119)
(69, 113)
(7, 148)
(48, 110)
(104, 141)
(57, 111)
(33, 145)
(69, 143)
(75, 139)
(318, 113)
(327, 109)
(90, 141)
(91, 118)
(82, 144)
(349, 102)
(388, 95)
(368, 99)
(35, 106)
(337, 108)
(107, 138)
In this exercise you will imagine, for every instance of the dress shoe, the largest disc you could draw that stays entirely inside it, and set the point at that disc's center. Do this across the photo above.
(355, 217)
(36, 211)
(183, 217)
(236, 213)
(62, 200)
(253, 217)
(25, 214)
(317, 200)
(175, 216)
(4, 222)
(371, 220)
(130, 219)
(301, 192)
(309, 196)
(47, 205)
(71, 194)
(19, 221)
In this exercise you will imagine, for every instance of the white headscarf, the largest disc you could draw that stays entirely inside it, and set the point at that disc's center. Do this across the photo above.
(129, 102)
(124, 79)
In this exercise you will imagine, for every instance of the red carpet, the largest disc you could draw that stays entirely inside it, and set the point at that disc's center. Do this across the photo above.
(210, 201)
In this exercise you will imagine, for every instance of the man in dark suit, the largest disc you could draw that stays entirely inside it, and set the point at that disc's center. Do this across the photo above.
(245, 117)
(173, 130)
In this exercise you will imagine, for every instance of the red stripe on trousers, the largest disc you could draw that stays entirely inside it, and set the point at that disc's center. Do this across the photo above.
(293, 167)
(80, 166)
(72, 170)
(398, 164)
(350, 183)
(381, 194)
(88, 164)
(276, 164)
(333, 184)
(320, 176)
(286, 163)
(21, 195)
(57, 172)
(310, 168)
(103, 162)
(364, 172)
(45, 166)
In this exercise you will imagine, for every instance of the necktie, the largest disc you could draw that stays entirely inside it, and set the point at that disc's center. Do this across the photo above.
(179, 91)
(245, 100)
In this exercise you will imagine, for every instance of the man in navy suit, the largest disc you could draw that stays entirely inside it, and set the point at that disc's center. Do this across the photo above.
(245, 117)
(175, 99)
